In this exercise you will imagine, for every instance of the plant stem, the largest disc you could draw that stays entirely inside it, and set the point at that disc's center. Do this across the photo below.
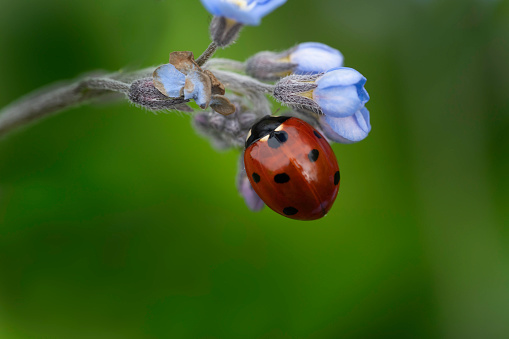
(236, 81)
(227, 64)
(50, 100)
(207, 54)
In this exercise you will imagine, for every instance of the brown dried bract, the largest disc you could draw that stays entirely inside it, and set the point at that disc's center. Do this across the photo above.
(183, 61)
(214, 90)
(217, 87)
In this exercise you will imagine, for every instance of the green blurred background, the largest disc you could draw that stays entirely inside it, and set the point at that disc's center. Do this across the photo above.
(118, 223)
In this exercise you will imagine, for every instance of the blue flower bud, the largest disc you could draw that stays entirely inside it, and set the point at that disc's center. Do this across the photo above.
(306, 59)
(226, 131)
(169, 81)
(143, 93)
(338, 96)
(247, 12)
(224, 31)
(346, 130)
(315, 57)
(340, 92)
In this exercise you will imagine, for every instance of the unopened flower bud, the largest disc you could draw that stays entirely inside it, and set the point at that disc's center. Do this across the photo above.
(143, 93)
(269, 66)
(224, 31)
(297, 91)
(226, 131)
(305, 59)
(338, 94)
(314, 58)
(252, 200)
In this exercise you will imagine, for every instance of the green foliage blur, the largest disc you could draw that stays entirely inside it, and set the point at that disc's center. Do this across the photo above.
(119, 223)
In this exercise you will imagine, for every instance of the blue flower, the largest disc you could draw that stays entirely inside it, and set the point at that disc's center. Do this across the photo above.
(340, 92)
(169, 81)
(338, 97)
(314, 57)
(247, 12)
(198, 87)
(307, 58)
(346, 130)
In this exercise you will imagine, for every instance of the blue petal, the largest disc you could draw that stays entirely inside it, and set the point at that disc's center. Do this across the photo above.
(363, 119)
(211, 6)
(338, 101)
(168, 80)
(195, 89)
(247, 12)
(347, 130)
(315, 57)
(362, 93)
(263, 8)
(341, 76)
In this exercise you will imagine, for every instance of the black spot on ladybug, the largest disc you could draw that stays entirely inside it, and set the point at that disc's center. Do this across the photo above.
(317, 134)
(281, 178)
(290, 210)
(277, 138)
(313, 155)
(336, 178)
(256, 177)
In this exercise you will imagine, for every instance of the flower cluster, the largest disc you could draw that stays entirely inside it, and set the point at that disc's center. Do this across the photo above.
(338, 96)
(309, 78)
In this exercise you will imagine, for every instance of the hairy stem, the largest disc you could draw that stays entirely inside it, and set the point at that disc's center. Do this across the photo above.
(209, 52)
(226, 64)
(236, 81)
(253, 89)
(50, 100)
(53, 99)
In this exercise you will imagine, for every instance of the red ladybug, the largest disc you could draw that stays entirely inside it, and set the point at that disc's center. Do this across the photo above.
(291, 167)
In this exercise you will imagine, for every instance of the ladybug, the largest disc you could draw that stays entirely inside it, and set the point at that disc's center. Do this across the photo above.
(291, 167)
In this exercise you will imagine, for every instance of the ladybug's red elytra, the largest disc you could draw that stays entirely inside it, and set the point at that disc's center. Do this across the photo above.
(291, 167)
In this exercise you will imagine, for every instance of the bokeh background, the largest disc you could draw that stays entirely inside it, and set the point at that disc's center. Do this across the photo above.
(118, 223)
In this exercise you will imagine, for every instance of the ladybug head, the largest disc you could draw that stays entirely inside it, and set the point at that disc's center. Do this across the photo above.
(263, 127)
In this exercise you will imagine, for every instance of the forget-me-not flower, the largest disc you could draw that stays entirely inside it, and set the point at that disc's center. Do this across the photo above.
(247, 12)
(306, 59)
(314, 57)
(340, 92)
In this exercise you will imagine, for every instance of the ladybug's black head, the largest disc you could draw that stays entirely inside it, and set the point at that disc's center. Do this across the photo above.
(263, 127)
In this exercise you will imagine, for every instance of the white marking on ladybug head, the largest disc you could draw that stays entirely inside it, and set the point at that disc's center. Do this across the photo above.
(248, 134)
(265, 138)
(280, 127)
